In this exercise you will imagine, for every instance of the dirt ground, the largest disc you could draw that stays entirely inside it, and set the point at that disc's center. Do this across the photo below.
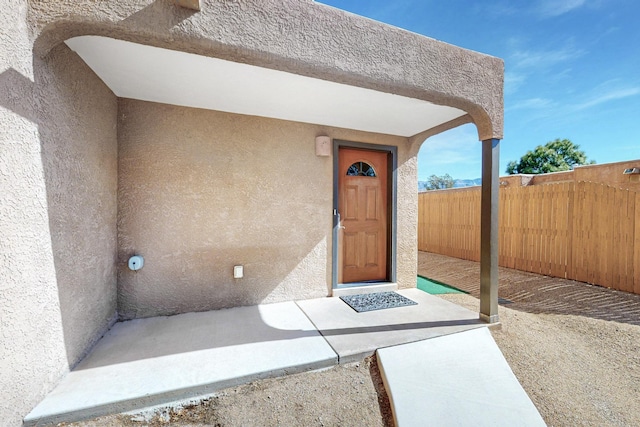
(579, 371)
(345, 395)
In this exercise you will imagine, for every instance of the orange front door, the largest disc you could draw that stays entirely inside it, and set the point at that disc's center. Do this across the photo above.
(362, 205)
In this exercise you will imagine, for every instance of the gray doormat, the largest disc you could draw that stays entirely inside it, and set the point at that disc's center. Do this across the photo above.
(376, 301)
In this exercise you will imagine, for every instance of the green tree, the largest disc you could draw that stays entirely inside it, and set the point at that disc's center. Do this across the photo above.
(554, 156)
(435, 182)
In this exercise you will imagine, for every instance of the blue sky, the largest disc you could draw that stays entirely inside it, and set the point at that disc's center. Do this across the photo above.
(572, 70)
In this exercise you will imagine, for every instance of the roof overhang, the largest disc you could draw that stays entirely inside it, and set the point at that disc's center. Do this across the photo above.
(143, 72)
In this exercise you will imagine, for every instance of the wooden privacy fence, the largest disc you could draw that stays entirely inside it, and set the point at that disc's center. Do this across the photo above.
(582, 231)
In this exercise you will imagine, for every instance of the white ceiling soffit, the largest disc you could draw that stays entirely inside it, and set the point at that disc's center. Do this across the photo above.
(148, 73)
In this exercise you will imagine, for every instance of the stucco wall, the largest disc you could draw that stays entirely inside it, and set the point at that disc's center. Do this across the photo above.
(610, 174)
(32, 353)
(606, 173)
(201, 191)
(50, 143)
(57, 175)
(78, 134)
(545, 178)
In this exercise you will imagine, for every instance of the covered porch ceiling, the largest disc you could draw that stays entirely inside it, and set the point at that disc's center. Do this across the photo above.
(155, 74)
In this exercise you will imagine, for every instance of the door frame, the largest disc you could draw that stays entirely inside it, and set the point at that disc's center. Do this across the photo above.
(392, 187)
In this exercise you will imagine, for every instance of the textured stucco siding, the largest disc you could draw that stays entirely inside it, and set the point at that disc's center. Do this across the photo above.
(301, 37)
(78, 135)
(201, 191)
(198, 191)
(55, 118)
(32, 352)
(607, 173)
(407, 217)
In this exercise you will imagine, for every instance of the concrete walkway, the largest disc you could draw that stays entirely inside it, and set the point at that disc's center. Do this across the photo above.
(147, 362)
(455, 380)
(154, 361)
(353, 336)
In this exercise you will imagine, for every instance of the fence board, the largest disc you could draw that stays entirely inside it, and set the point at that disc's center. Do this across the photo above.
(578, 234)
(627, 237)
(583, 231)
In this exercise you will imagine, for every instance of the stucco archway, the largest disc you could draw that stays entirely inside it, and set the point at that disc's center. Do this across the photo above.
(47, 111)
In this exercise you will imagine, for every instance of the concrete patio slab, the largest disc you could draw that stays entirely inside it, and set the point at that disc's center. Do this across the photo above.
(454, 380)
(153, 361)
(355, 335)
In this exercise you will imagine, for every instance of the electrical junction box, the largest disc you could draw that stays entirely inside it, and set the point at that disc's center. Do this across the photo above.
(136, 262)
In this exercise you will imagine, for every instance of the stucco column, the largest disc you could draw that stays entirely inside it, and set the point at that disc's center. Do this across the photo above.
(489, 231)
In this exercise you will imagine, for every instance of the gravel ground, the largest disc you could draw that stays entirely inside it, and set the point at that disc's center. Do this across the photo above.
(579, 371)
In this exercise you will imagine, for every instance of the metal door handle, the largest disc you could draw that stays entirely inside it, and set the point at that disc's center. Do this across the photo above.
(339, 221)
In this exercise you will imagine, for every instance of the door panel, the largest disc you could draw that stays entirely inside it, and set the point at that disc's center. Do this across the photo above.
(351, 202)
(371, 249)
(349, 244)
(362, 204)
(372, 203)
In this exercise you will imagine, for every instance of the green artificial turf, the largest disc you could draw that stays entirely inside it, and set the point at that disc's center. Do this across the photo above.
(435, 288)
